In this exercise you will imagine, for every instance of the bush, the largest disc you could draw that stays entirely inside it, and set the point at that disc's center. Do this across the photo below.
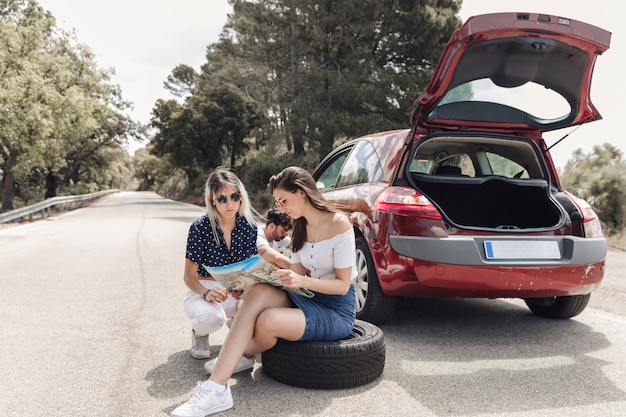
(256, 172)
(80, 188)
(598, 177)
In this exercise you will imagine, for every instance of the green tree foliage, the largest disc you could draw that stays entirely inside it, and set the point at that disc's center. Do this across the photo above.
(256, 174)
(184, 136)
(181, 81)
(335, 69)
(210, 125)
(598, 177)
(24, 97)
(58, 110)
(233, 115)
(154, 173)
(318, 72)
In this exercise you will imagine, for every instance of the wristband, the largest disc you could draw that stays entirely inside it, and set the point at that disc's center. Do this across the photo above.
(204, 294)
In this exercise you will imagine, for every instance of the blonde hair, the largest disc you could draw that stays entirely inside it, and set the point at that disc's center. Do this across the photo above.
(220, 178)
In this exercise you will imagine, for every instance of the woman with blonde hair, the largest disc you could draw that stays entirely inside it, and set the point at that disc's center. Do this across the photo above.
(226, 234)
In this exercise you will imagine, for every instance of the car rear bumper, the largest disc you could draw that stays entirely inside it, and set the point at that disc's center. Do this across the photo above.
(425, 279)
(458, 267)
(516, 282)
(471, 250)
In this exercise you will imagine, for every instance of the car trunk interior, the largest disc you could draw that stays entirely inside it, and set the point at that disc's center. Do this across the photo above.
(492, 202)
(490, 182)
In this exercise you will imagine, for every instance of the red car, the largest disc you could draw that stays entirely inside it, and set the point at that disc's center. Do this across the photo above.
(467, 201)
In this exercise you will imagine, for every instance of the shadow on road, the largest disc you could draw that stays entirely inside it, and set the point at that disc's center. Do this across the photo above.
(448, 356)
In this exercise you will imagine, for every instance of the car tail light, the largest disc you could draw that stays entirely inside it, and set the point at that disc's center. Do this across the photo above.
(591, 223)
(406, 201)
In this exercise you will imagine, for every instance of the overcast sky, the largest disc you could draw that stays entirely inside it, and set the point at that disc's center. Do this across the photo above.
(143, 40)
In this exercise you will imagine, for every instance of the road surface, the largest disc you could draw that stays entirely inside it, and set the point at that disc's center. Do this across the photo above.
(93, 325)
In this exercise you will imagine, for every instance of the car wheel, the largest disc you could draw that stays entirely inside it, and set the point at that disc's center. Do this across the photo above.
(558, 307)
(372, 304)
(350, 362)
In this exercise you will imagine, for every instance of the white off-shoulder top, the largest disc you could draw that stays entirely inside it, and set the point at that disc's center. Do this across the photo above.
(321, 258)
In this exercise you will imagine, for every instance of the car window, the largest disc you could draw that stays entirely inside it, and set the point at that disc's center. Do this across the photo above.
(361, 166)
(463, 164)
(420, 164)
(505, 167)
(530, 98)
(328, 177)
(478, 157)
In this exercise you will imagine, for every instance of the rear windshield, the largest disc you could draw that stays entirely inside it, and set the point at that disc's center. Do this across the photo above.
(531, 98)
(477, 157)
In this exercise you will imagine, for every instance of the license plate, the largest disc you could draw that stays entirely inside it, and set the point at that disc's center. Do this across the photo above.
(522, 249)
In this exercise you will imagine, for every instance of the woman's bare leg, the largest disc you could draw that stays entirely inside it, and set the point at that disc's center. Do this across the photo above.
(273, 323)
(259, 298)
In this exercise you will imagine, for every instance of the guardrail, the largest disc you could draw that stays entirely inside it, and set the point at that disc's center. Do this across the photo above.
(44, 208)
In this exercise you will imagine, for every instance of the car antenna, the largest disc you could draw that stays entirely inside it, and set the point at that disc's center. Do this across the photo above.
(558, 141)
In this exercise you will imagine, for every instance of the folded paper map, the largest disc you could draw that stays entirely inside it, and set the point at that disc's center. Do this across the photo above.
(248, 272)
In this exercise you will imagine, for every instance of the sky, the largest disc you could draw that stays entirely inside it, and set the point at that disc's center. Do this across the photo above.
(143, 40)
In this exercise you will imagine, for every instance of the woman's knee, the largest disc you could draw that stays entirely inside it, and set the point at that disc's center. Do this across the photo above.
(284, 323)
(208, 321)
(266, 296)
(268, 322)
(259, 291)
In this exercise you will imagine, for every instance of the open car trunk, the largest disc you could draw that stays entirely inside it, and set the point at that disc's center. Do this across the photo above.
(492, 202)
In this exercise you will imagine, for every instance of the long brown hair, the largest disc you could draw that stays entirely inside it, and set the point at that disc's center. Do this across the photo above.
(294, 178)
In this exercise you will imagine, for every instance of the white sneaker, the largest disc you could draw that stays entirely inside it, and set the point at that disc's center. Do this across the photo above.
(243, 365)
(200, 348)
(204, 402)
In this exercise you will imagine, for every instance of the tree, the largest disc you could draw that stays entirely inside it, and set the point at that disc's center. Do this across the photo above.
(232, 114)
(212, 123)
(25, 99)
(186, 139)
(181, 81)
(333, 69)
(303, 73)
(598, 177)
(57, 108)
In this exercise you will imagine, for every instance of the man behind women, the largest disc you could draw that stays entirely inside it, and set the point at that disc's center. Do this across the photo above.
(323, 261)
(276, 231)
(226, 234)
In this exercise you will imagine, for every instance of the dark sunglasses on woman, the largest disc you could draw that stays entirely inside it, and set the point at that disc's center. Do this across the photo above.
(223, 199)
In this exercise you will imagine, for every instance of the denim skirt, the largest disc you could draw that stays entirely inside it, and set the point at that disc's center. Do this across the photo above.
(328, 316)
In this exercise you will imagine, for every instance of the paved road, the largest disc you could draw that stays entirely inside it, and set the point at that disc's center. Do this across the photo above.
(92, 325)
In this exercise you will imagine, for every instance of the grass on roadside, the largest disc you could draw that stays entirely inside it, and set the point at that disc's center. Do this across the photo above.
(617, 241)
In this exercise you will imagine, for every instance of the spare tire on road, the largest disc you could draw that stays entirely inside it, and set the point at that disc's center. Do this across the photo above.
(350, 362)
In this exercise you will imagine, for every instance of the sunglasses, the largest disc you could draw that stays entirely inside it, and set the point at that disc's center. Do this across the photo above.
(223, 199)
(280, 203)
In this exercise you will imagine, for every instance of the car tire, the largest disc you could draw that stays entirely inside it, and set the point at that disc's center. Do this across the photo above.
(350, 362)
(372, 304)
(558, 307)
